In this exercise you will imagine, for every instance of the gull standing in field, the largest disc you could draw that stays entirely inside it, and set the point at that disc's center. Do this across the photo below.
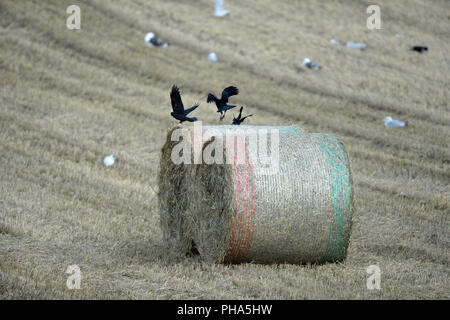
(154, 41)
(109, 160)
(308, 63)
(220, 11)
(221, 103)
(391, 123)
(177, 105)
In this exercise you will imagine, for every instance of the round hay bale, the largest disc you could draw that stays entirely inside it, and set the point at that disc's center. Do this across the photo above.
(174, 182)
(176, 191)
(241, 211)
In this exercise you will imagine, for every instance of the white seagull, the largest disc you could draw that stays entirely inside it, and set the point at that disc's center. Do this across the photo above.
(391, 123)
(154, 41)
(308, 63)
(109, 160)
(220, 11)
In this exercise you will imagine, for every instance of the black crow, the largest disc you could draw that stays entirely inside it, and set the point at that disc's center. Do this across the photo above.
(419, 49)
(239, 120)
(178, 109)
(221, 103)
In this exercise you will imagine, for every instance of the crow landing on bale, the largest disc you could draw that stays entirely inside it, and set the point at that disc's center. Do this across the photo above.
(221, 103)
(239, 119)
(178, 109)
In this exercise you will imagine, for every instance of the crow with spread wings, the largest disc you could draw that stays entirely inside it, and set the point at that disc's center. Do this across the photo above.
(222, 103)
(239, 119)
(178, 109)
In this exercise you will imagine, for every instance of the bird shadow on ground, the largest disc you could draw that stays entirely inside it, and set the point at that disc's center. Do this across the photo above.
(299, 69)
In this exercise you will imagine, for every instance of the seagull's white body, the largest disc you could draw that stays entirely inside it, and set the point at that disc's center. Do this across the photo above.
(353, 45)
(350, 45)
(391, 123)
(109, 160)
(212, 56)
(333, 41)
(153, 41)
(220, 11)
(308, 63)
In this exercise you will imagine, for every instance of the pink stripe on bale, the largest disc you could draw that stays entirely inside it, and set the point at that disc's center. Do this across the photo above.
(244, 204)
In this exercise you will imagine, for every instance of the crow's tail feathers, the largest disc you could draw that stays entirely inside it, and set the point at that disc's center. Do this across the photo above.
(187, 111)
(227, 107)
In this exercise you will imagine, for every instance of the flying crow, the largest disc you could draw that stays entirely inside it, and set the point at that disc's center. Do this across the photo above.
(178, 109)
(239, 120)
(221, 103)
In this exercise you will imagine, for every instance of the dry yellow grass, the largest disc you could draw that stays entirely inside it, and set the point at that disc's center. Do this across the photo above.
(69, 98)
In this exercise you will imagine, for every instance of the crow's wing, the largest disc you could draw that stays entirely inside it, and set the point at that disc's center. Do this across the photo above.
(245, 117)
(228, 92)
(240, 113)
(225, 108)
(211, 98)
(177, 103)
(187, 111)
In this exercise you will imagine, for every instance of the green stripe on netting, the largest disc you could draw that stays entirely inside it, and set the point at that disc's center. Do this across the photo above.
(339, 180)
(290, 129)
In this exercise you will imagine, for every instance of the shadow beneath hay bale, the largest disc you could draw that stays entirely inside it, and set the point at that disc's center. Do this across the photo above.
(142, 251)
(139, 251)
(194, 251)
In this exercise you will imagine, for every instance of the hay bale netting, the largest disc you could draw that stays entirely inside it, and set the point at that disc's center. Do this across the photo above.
(239, 212)
(176, 190)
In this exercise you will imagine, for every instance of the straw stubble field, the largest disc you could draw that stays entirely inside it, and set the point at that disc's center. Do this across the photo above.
(69, 98)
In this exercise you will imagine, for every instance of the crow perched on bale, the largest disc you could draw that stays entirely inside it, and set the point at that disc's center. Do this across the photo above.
(239, 120)
(177, 105)
(221, 103)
